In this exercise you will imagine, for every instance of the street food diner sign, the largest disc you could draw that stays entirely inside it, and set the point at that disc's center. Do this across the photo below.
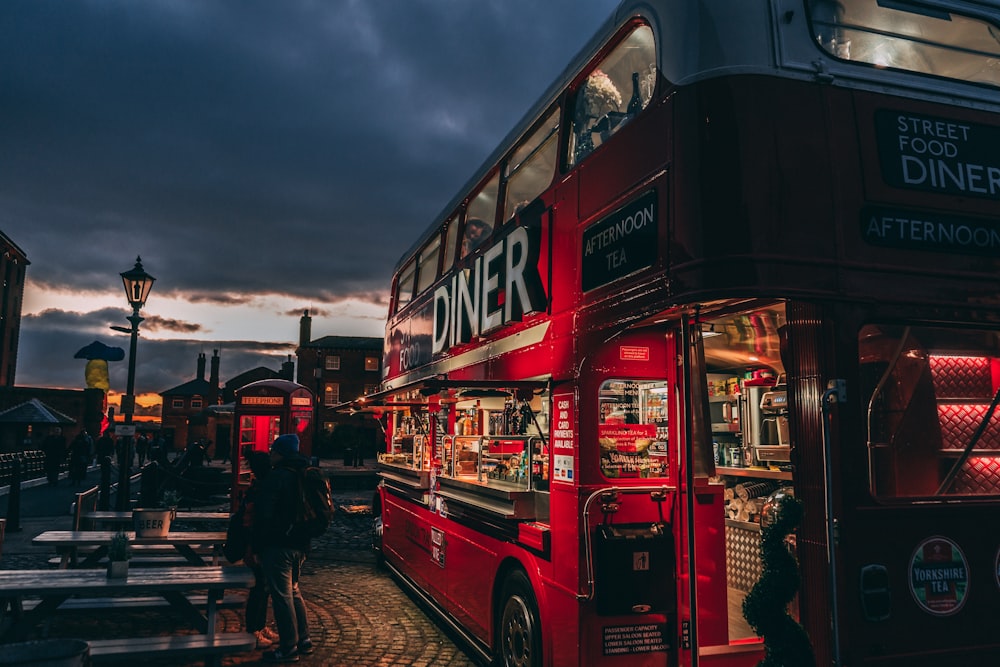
(938, 155)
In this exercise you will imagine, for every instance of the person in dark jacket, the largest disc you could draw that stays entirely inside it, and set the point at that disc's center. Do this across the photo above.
(282, 548)
(54, 447)
(256, 608)
(80, 455)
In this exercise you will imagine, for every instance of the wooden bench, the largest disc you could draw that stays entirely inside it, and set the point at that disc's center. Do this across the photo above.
(145, 555)
(232, 601)
(136, 561)
(137, 648)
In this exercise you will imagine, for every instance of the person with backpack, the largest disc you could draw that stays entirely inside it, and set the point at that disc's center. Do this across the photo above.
(282, 544)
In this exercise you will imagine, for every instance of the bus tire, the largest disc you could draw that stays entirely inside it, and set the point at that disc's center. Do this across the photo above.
(519, 632)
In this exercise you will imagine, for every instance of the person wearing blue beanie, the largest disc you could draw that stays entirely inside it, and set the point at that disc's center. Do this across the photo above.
(286, 445)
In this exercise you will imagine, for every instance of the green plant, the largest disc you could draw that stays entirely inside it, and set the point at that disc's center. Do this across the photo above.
(118, 548)
(765, 607)
(170, 498)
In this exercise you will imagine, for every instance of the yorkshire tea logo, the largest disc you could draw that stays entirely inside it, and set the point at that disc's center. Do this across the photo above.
(939, 576)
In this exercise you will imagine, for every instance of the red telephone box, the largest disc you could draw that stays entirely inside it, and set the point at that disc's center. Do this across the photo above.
(264, 410)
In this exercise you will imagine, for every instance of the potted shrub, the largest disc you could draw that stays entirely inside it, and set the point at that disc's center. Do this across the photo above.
(170, 500)
(118, 556)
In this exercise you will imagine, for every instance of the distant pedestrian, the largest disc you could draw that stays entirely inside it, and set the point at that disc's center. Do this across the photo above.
(125, 451)
(224, 453)
(105, 446)
(141, 448)
(80, 455)
(54, 448)
(283, 548)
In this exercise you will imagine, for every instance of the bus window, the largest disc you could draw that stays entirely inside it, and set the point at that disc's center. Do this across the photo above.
(632, 428)
(427, 264)
(450, 240)
(404, 291)
(600, 109)
(908, 36)
(928, 396)
(530, 168)
(480, 216)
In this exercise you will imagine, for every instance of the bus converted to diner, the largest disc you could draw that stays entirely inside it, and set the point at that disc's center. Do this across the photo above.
(738, 251)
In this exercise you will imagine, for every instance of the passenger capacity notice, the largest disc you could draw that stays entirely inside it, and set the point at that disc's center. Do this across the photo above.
(639, 638)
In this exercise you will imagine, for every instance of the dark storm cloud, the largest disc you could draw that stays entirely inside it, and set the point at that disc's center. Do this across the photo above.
(294, 147)
(246, 145)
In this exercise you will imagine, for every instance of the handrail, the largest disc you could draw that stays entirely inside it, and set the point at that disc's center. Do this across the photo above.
(835, 394)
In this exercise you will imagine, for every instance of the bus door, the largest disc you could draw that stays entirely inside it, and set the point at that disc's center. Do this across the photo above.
(735, 453)
(628, 501)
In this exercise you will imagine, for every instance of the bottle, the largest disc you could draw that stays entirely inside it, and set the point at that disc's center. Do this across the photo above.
(635, 104)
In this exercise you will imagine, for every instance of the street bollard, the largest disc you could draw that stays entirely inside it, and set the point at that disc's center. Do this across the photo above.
(14, 499)
(104, 497)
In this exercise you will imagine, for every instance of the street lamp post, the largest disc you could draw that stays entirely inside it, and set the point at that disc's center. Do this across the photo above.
(137, 284)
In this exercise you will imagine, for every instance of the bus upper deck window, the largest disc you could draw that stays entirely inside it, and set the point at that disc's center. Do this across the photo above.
(405, 290)
(910, 36)
(476, 231)
(613, 93)
(480, 216)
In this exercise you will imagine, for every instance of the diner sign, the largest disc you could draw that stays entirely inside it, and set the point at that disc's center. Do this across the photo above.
(941, 155)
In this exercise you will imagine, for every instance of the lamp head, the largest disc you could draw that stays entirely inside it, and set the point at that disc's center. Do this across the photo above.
(138, 284)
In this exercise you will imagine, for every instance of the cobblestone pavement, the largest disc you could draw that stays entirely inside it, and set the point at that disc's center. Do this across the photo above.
(358, 615)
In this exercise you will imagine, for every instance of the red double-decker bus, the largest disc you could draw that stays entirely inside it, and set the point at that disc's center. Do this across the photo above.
(738, 251)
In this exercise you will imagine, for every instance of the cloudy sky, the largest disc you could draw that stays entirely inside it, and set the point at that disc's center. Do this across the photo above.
(263, 158)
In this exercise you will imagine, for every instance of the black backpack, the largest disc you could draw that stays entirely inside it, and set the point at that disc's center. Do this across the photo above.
(315, 507)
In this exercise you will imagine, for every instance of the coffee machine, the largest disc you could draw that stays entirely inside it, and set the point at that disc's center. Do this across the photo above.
(773, 443)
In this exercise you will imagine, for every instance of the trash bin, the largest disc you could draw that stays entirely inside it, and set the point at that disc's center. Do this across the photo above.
(348, 457)
(47, 653)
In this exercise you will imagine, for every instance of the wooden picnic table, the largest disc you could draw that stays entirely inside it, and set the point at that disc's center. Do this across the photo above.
(53, 587)
(114, 518)
(67, 544)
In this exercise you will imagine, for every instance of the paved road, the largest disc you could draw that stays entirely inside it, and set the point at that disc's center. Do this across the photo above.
(358, 615)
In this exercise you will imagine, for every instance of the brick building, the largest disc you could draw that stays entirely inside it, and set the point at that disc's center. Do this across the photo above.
(339, 369)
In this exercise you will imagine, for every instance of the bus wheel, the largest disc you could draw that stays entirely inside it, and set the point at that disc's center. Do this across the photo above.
(519, 635)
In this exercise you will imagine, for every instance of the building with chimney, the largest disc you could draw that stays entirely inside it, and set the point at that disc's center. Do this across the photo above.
(338, 369)
(202, 409)
(185, 417)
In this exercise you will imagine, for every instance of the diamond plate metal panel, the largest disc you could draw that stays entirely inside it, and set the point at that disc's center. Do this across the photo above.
(961, 377)
(959, 424)
(743, 565)
(979, 476)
